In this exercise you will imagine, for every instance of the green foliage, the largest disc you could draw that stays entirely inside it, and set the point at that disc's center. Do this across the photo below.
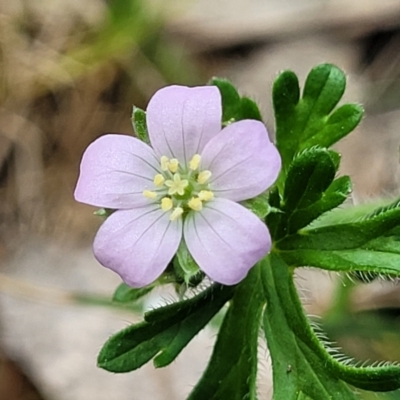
(300, 362)
(371, 244)
(302, 123)
(234, 107)
(163, 334)
(310, 191)
(308, 229)
(232, 371)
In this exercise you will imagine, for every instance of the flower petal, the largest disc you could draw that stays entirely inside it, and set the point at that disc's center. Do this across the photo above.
(138, 244)
(182, 120)
(226, 240)
(115, 169)
(242, 159)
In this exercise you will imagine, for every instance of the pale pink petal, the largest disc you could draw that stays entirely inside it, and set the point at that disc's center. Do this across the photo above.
(226, 240)
(115, 169)
(242, 159)
(181, 120)
(138, 244)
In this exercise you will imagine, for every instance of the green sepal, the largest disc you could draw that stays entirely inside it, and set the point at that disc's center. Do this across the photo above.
(127, 294)
(234, 107)
(103, 212)
(305, 122)
(232, 369)
(139, 124)
(164, 333)
(259, 205)
(185, 267)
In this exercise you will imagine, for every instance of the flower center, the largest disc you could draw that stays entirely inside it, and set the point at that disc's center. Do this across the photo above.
(180, 189)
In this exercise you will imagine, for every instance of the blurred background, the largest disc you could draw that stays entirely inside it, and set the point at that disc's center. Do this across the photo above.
(71, 71)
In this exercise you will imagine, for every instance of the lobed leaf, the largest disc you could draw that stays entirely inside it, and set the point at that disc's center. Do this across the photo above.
(293, 343)
(299, 362)
(163, 334)
(234, 107)
(310, 191)
(305, 122)
(231, 372)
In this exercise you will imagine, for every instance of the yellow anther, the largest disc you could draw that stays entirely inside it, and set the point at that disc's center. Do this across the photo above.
(178, 211)
(206, 195)
(173, 165)
(149, 194)
(164, 163)
(195, 204)
(166, 204)
(195, 162)
(177, 185)
(204, 176)
(159, 180)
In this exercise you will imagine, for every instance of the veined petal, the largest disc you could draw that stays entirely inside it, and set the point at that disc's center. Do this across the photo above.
(138, 244)
(181, 120)
(226, 240)
(115, 169)
(242, 159)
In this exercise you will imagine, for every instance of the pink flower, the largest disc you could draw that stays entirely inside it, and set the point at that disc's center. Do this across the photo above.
(185, 187)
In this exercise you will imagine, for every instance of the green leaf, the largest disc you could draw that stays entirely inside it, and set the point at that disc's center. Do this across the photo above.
(310, 174)
(323, 89)
(139, 124)
(164, 333)
(249, 109)
(234, 107)
(296, 349)
(339, 124)
(309, 121)
(127, 294)
(310, 191)
(370, 245)
(231, 372)
(335, 195)
(230, 99)
(299, 363)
